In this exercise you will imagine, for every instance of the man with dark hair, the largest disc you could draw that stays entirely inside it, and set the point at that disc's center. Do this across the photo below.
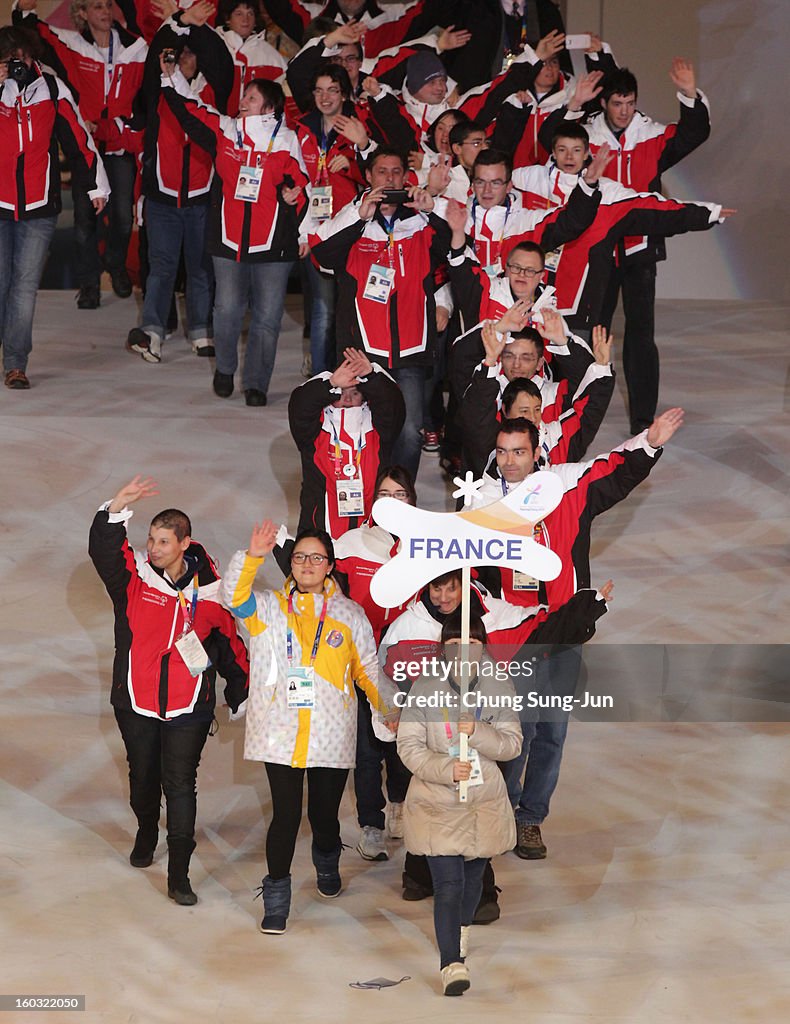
(590, 488)
(641, 150)
(384, 254)
(172, 636)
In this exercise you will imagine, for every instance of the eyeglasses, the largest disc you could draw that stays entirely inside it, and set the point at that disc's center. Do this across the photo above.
(523, 271)
(518, 357)
(300, 557)
(347, 60)
(477, 143)
(398, 495)
(494, 182)
(332, 91)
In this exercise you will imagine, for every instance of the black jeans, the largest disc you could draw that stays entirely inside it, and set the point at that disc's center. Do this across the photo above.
(163, 758)
(640, 353)
(457, 884)
(324, 792)
(121, 172)
(367, 774)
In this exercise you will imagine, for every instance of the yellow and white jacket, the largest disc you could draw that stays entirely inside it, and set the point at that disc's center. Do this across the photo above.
(325, 735)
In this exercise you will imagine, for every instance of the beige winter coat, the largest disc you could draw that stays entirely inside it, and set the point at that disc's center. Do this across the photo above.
(435, 822)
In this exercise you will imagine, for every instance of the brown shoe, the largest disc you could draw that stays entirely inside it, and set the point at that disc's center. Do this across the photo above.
(16, 380)
(530, 845)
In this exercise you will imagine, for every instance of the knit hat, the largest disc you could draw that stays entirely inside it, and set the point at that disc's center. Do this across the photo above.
(421, 67)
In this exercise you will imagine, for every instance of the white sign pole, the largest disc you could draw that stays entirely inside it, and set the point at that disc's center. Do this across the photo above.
(466, 610)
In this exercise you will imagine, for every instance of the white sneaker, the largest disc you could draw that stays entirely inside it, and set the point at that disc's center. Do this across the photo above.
(455, 979)
(395, 821)
(465, 929)
(371, 846)
(153, 354)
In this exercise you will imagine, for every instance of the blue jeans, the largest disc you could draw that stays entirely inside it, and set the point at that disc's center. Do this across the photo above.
(457, 884)
(121, 171)
(168, 228)
(163, 757)
(544, 740)
(408, 447)
(23, 252)
(323, 297)
(367, 773)
(262, 287)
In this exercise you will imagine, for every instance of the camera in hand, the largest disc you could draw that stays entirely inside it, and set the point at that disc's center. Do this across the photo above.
(169, 56)
(394, 196)
(17, 69)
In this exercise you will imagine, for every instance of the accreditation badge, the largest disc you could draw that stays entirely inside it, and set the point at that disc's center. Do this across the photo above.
(350, 497)
(321, 202)
(301, 687)
(553, 259)
(248, 184)
(476, 778)
(193, 653)
(379, 283)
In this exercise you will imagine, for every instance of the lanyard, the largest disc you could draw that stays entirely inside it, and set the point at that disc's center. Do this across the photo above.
(269, 148)
(189, 612)
(484, 227)
(356, 449)
(389, 227)
(318, 632)
(323, 149)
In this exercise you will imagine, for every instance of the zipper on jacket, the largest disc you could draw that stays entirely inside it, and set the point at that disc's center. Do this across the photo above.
(29, 124)
(119, 69)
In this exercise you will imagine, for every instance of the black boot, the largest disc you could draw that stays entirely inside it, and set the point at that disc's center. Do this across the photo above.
(142, 854)
(178, 887)
(327, 871)
(488, 907)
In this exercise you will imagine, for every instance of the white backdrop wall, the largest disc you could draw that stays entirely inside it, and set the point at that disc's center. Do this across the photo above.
(740, 49)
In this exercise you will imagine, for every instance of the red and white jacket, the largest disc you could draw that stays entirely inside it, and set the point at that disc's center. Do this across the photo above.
(342, 444)
(106, 84)
(402, 330)
(253, 57)
(263, 231)
(590, 488)
(318, 152)
(584, 264)
(32, 124)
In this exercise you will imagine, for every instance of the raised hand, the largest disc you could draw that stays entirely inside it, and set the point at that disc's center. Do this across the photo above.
(515, 318)
(421, 199)
(607, 591)
(369, 202)
(597, 165)
(452, 38)
(493, 344)
(602, 345)
(726, 212)
(664, 426)
(138, 488)
(587, 88)
(596, 43)
(415, 160)
(163, 8)
(345, 35)
(552, 328)
(438, 178)
(358, 362)
(683, 77)
(263, 539)
(199, 13)
(344, 376)
(457, 216)
(550, 45)
(353, 129)
(371, 86)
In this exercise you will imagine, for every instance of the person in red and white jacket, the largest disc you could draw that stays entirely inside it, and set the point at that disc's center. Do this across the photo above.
(580, 269)
(103, 64)
(37, 114)
(641, 150)
(172, 636)
(384, 256)
(563, 439)
(241, 28)
(330, 137)
(176, 181)
(344, 425)
(257, 201)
